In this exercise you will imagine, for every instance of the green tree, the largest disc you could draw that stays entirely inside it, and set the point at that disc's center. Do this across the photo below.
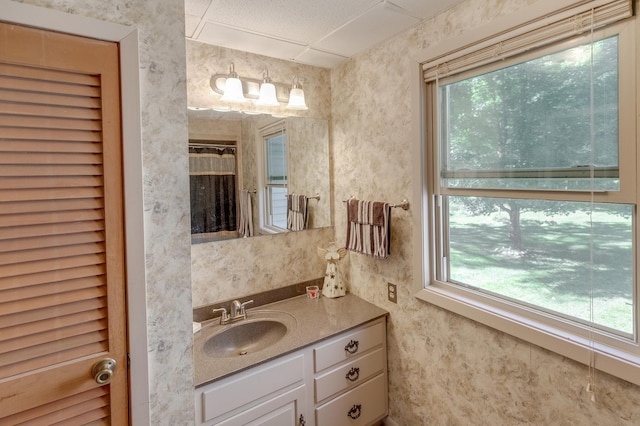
(537, 115)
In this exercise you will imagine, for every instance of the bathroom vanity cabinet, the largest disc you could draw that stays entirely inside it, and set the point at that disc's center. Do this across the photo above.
(341, 380)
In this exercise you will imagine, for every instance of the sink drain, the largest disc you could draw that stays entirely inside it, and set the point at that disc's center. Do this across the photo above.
(243, 352)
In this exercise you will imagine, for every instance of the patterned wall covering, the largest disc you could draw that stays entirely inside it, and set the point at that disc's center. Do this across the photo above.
(309, 166)
(444, 369)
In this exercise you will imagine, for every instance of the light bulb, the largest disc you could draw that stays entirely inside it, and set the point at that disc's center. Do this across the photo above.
(296, 96)
(233, 87)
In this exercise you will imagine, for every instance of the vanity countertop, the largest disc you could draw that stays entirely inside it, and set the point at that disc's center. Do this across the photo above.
(316, 320)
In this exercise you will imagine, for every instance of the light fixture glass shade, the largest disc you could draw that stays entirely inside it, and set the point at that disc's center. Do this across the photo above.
(296, 99)
(267, 95)
(233, 91)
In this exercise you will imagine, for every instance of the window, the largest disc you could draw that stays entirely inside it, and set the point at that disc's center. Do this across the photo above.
(275, 181)
(531, 172)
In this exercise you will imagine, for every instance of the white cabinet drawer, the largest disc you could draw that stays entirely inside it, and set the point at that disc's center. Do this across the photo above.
(348, 346)
(350, 374)
(232, 393)
(358, 407)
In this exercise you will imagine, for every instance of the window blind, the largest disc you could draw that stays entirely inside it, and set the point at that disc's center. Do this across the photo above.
(530, 33)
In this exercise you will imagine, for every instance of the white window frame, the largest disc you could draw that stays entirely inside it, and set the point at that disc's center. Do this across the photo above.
(613, 356)
(263, 198)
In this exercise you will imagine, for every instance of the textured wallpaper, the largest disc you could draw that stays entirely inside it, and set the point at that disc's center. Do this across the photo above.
(443, 369)
(308, 141)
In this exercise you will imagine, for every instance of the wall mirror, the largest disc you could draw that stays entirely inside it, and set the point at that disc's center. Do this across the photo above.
(254, 175)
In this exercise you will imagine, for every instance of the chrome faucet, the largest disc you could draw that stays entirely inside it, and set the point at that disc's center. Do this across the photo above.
(237, 311)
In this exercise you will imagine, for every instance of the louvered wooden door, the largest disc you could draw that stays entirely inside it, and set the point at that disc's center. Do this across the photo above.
(62, 300)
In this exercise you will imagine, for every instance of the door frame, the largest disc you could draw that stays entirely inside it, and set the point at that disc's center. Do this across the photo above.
(127, 38)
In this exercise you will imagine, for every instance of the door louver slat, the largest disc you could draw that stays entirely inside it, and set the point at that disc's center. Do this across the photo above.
(55, 218)
(29, 110)
(48, 412)
(51, 134)
(51, 300)
(54, 241)
(50, 253)
(23, 281)
(50, 313)
(50, 99)
(45, 325)
(62, 352)
(45, 170)
(32, 340)
(50, 182)
(38, 159)
(35, 86)
(25, 145)
(11, 70)
(47, 265)
(49, 123)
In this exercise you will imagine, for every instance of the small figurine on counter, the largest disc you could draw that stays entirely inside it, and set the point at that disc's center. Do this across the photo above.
(332, 286)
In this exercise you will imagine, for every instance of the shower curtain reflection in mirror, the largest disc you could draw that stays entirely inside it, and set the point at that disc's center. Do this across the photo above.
(212, 177)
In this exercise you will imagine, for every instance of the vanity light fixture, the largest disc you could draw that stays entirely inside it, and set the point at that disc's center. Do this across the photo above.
(267, 91)
(296, 96)
(256, 93)
(233, 87)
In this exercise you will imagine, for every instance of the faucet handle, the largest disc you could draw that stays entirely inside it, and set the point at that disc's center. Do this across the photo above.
(242, 305)
(224, 316)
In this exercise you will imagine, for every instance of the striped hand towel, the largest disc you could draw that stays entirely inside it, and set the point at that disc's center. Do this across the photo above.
(369, 228)
(296, 212)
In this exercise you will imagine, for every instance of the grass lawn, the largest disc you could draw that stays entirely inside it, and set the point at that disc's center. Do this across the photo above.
(556, 268)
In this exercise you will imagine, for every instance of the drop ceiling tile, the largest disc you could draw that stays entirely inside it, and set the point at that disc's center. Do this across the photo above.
(191, 23)
(233, 38)
(373, 27)
(425, 9)
(304, 21)
(319, 59)
(196, 7)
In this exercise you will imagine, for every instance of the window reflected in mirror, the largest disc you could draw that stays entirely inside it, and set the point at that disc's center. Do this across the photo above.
(274, 188)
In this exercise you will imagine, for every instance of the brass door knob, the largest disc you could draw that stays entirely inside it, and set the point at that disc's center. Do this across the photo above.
(103, 371)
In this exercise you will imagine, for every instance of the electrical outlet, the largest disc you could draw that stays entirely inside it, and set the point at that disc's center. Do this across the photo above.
(392, 293)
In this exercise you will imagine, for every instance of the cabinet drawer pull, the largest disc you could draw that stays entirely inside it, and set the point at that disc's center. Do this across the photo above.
(352, 347)
(302, 422)
(353, 374)
(355, 411)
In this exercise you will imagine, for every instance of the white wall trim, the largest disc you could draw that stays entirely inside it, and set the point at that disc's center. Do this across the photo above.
(54, 20)
(127, 37)
(418, 191)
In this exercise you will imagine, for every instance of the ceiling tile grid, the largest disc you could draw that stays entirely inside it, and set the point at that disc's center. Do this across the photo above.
(322, 33)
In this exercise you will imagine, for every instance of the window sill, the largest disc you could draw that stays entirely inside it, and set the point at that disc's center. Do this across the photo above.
(619, 363)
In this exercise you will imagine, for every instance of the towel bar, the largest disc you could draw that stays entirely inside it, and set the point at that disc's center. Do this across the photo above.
(404, 204)
(315, 197)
